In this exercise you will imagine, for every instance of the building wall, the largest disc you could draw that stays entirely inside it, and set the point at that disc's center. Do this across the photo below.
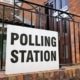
(68, 73)
(74, 27)
(27, 15)
(74, 6)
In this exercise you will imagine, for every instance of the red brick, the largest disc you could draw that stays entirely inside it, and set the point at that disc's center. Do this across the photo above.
(28, 77)
(40, 76)
(4, 78)
(20, 77)
(56, 75)
(34, 76)
(51, 75)
(12, 77)
(62, 75)
(77, 71)
(73, 71)
(46, 75)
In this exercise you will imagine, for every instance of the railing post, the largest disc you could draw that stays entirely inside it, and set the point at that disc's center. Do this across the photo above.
(2, 38)
(14, 13)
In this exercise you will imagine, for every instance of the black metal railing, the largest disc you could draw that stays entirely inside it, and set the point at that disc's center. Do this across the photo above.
(43, 17)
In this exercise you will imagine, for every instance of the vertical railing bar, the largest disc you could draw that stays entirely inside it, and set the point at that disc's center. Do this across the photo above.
(52, 22)
(64, 42)
(52, 18)
(48, 20)
(63, 39)
(79, 38)
(2, 37)
(23, 17)
(58, 35)
(39, 17)
(14, 13)
(74, 39)
(58, 23)
(70, 43)
(47, 15)
(60, 45)
(31, 19)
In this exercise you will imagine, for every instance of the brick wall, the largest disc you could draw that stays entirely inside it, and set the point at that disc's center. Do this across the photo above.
(67, 73)
(74, 6)
(75, 48)
(28, 6)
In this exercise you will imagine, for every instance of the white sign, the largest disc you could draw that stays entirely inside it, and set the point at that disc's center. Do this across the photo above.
(31, 50)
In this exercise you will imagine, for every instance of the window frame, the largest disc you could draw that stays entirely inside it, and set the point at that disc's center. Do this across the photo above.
(60, 4)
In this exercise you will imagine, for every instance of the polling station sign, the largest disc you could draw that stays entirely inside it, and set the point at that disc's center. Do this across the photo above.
(31, 50)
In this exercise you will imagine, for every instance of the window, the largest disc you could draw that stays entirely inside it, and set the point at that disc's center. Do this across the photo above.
(59, 4)
(64, 3)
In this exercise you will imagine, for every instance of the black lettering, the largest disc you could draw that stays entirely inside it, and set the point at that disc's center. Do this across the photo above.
(42, 41)
(36, 41)
(36, 55)
(23, 39)
(46, 55)
(53, 41)
(41, 55)
(29, 56)
(53, 55)
(14, 36)
(15, 57)
(22, 55)
(30, 40)
(47, 41)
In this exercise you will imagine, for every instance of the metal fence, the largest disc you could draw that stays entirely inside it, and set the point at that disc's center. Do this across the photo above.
(43, 17)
